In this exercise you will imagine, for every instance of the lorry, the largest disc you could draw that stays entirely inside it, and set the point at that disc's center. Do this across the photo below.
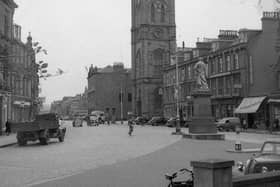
(44, 127)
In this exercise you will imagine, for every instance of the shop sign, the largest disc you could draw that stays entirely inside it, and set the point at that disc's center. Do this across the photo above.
(22, 103)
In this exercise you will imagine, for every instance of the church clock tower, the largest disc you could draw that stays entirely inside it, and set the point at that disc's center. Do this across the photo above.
(153, 40)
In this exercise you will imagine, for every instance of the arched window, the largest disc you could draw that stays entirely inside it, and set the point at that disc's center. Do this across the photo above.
(158, 59)
(138, 64)
(153, 11)
(162, 13)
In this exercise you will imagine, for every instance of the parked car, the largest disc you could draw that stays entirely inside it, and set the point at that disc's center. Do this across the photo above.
(78, 122)
(267, 160)
(228, 124)
(157, 120)
(141, 120)
(171, 122)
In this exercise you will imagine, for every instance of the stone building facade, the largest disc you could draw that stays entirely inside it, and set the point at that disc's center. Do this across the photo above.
(109, 90)
(243, 74)
(18, 70)
(153, 37)
(69, 107)
(23, 79)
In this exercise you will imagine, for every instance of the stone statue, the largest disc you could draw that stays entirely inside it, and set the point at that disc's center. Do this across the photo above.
(201, 73)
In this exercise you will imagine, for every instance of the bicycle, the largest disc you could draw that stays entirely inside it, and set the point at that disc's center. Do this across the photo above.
(187, 183)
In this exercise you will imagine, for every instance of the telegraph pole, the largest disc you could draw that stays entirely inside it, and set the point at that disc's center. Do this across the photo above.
(121, 104)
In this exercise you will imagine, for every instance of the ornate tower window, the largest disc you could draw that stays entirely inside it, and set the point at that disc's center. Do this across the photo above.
(162, 13)
(158, 62)
(153, 10)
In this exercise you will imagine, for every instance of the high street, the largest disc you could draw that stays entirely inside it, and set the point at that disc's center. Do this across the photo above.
(95, 149)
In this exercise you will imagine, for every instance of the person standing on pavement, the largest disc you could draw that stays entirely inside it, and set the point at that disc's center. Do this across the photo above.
(8, 128)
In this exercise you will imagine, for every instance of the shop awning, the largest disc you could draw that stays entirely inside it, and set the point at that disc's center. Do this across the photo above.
(249, 105)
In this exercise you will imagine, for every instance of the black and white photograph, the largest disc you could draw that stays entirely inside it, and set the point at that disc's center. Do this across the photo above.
(139, 93)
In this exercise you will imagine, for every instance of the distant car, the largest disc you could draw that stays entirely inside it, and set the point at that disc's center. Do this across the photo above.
(157, 120)
(171, 122)
(267, 160)
(228, 124)
(140, 120)
(78, 122)
(94, 120)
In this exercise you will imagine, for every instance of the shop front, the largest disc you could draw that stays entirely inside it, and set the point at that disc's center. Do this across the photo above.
(253, 112)
(21, 111)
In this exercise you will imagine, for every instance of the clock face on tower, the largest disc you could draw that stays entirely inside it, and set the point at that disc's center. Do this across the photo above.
(157, 33)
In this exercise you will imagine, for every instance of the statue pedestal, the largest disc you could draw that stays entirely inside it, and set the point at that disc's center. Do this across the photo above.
(202, 124)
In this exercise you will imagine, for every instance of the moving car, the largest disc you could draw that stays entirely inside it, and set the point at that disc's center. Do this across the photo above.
(267, 160)
(157, 120)
(228, 124)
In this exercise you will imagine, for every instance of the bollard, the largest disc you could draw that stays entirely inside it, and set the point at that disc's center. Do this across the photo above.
(237, 146)
(212, 173)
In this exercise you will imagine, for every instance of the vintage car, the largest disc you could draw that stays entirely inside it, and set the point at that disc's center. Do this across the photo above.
(268, 159)
(141, 120)
(171, 122)
(228, 124)
(157, 120)
(78, 122)
(44, 127)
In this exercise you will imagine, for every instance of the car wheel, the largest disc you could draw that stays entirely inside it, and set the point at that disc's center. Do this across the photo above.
(61, 138)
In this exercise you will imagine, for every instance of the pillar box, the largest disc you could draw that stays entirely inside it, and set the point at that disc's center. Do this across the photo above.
(212, 173)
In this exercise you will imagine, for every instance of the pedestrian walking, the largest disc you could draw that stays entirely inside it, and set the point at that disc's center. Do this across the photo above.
(244, 124)
(8, 128)
(130, 127)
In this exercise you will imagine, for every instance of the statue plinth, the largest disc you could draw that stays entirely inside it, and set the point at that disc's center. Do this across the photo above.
(202, 124)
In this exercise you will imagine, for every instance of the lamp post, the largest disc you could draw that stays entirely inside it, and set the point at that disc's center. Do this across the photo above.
(178, 128)
(121, 104)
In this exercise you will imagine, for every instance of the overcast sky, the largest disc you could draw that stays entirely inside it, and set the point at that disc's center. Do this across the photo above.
(79, 33)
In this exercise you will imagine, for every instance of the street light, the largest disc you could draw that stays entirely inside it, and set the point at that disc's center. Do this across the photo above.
(178, 127)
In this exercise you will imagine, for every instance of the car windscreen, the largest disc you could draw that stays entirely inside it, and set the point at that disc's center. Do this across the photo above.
(271, 148)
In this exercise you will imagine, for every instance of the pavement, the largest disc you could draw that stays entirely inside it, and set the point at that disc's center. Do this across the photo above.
(6, 141)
